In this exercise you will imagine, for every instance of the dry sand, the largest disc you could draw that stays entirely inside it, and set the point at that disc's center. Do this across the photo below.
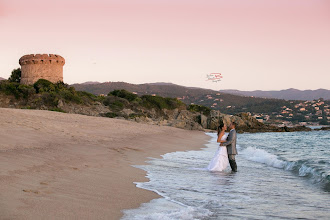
(65, 166)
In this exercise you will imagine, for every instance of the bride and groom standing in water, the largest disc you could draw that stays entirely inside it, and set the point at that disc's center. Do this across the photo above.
(227, 150)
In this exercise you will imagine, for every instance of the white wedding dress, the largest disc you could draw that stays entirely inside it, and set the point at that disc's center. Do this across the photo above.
(220, 160)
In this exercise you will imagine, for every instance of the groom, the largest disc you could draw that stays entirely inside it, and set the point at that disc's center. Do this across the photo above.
(231, 146)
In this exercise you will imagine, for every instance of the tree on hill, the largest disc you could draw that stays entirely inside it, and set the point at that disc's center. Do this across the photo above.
(15, 75)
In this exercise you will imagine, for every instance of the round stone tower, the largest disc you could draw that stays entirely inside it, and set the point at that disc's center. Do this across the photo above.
(41, 66)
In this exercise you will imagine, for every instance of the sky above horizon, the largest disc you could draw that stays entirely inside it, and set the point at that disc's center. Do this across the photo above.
(254, 44)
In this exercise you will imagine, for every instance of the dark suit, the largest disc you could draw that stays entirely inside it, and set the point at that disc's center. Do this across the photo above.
(231, 149)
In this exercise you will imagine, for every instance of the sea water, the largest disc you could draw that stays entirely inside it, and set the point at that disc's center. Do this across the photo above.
(280, 176)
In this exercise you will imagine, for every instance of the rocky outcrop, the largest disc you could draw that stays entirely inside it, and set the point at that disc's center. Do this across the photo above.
(96, 109)
(323, 129)
(176, 118)
(247, 123)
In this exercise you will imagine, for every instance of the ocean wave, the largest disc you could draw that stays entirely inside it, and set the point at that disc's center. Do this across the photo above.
(262, 156)
(301, 168)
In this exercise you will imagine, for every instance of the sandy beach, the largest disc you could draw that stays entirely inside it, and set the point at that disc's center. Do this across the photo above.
(66, 166)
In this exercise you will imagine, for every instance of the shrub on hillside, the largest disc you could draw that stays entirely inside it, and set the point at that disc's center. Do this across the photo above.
(43, 85)
(111, 114)
(159, 102)
(199, 108)
(61, 90)
(26, 91)
(124, 94)
(16, 89)
(115, 103)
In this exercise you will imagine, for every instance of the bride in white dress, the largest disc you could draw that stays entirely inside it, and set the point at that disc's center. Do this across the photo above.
(220, 160)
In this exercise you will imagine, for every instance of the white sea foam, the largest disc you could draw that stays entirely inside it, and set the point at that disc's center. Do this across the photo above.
(166, 210)
(262, 156)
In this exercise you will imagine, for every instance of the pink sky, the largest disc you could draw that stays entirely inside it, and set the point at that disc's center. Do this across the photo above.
(255, 44)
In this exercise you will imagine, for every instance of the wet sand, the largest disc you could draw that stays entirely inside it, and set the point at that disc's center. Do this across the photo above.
(65, 166)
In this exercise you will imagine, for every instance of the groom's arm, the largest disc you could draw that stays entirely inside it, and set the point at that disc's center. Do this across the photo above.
(231, 138)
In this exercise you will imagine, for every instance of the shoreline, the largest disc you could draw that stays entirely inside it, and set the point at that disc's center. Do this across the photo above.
(63, 165)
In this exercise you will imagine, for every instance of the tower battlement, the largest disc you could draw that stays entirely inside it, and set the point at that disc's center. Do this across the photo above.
(41, 66)
(41, 59)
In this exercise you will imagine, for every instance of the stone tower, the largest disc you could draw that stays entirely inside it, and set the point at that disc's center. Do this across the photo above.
(41, 66)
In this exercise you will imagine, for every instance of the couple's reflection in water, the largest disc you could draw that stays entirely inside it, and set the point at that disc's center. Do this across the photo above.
(226, 178)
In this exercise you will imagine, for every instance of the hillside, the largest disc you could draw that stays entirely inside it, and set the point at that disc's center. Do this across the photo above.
(288, 94)
(227, 103)
(2, 78)
(268, 110)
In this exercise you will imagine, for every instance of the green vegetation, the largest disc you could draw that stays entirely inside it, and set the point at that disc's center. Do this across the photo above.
(117, 100)
(110, 114)
(15, 76)
(324, 122)
(124, 94)
(44, 92)
(121, 98)
(134, 115)
(115, 103)
(159, 102)
(199, 108)
(16, 89)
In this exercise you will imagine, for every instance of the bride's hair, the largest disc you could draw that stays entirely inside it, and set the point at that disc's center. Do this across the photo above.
(220, 127)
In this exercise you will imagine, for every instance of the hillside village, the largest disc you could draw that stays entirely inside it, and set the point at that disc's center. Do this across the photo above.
(305, 113)
(316, 112)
